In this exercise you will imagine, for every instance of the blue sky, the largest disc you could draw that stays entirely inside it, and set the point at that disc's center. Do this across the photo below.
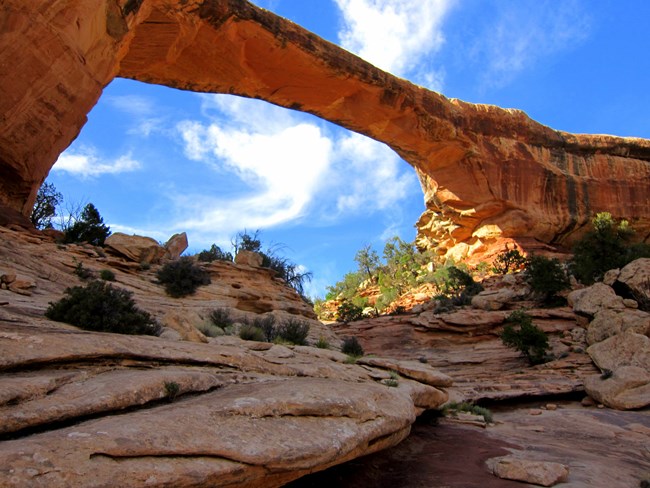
(156, 161)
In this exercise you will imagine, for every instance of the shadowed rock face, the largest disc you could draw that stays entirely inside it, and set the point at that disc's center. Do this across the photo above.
(486, 172)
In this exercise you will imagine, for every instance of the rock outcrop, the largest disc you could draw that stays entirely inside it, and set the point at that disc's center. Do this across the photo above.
(487, 173)
(82, 408)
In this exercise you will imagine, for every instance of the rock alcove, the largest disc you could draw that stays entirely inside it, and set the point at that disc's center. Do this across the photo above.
(486, 172)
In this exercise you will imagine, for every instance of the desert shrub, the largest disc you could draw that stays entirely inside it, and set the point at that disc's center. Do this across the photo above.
(182, 277)
(507, 261)
(322, 343)
(47, 199)
(249, 332)
(546, 277)
(214, 254)
(171, 390)
(352, 347)
(220, 317)
(528, 339)
(468, 407)
(267, 325)
(294, 331)
(348, 312)
(605, 247)
(101, 307)
(82, 272)
(107, 275)
(210, 330)
(89, 228)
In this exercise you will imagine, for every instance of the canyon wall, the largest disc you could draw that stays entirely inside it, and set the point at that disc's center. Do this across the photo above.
(487, 173)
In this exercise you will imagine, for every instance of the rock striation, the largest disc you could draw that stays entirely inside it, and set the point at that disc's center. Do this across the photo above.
(487, 173)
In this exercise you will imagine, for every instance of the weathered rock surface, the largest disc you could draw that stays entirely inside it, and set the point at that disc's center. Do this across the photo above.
(139, 249)
(634, 279)
(627, 388)
(608, 323)
(535, 472)
(96, 409)
(591, 300)
(176, 245)
(487, 173)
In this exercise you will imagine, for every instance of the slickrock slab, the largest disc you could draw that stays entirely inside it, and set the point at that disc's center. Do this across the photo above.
(535, 472)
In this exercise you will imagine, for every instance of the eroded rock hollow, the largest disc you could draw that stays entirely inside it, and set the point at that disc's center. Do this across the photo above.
(486, 172)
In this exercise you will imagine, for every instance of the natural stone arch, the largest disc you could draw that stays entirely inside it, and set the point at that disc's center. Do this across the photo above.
(485, 171)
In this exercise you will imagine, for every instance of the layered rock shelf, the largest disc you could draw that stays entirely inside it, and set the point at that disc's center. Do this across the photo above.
(487, 173)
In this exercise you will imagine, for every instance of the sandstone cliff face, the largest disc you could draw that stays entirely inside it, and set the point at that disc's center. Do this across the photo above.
(486, 172)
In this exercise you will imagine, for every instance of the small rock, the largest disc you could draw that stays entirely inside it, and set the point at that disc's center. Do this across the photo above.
(629, 303)
(588, 402)
(535, 411)
(529, 471)
(551, 406)
(249, 258)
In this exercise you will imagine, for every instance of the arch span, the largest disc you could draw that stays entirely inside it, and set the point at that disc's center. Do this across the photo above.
(486, 172)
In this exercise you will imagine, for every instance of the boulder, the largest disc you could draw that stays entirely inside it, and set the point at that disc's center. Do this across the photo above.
(493, 299)
(176, 245)
(136, 248)
(249, 258)
(593, 299)
(634, 279)
(624, 349)
(529, 471)
(608, 323)
(626, 388)
(184, 322)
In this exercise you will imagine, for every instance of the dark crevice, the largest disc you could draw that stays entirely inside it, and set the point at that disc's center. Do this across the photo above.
(134, 361)
(65, 423)
(198, 455)
(528, 400)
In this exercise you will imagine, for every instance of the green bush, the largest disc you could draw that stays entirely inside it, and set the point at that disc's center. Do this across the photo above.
(221, 318)
(507, 261)
(210, 330)
(182, 277)
(528, 339)
(606, 247)
(82, 272)
(89, 228)
(267, 325)
(546, 277)
(214, 254)
(352, 347)
(468, 407)
(348, 312)
(101, 307)
(294, 331)
(322, 343)
(249, 332)
(107, 275)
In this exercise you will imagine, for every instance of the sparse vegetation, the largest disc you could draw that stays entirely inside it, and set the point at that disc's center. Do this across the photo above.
(605, 247)
(294, 331)
(453, 407)
(210, 330)
(107, 275)
(348, 312)
(182, 277)
(82, 272)
(249, 332)
(89, 227)
(171, 390)
(47, 199)
(220, 317)
(101, 307)
(528, 339)
(352, 347)
(322, 343)
(266, 324)
(546, 277)
(214, 254)
(509, 260)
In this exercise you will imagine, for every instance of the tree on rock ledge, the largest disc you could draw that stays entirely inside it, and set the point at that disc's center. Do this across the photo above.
(89, 228)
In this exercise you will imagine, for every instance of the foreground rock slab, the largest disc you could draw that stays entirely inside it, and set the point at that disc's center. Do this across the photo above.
(91, 409)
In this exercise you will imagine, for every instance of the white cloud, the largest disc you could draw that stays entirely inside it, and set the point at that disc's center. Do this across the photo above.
(132, 104)
(396, 35)
(291, 167)
(86, 163)
(522, 33)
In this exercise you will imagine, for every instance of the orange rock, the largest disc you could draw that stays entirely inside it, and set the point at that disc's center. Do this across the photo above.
(487, 173)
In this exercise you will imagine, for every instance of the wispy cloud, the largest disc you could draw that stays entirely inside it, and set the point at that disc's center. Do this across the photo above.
(523, 33)
(398, 36)
(86, 163)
